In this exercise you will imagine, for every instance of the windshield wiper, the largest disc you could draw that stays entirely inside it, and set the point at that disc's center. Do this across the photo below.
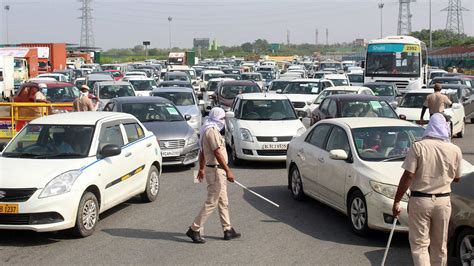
(394, 158)
(21, 154)
(59, 155)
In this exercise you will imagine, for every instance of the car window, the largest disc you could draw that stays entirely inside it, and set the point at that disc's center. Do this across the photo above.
(318, 135)
(324, 106)
(332, 108)
(134, 131)
(236, 107)
(110, 135)
(109, 107)
(338, 140)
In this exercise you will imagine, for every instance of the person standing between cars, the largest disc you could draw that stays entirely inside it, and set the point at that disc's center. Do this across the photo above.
(430, 166)
(83, 103)
(213, 166)
(435, 102)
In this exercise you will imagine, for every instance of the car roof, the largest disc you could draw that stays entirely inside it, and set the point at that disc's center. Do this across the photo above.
(238, 82)
(306, 80)
(79, 118)
(378, 83)
(250, 73)
(363, 122)
(429, 91)
(329, 76)
(353, 97)
(450, 78)
(176, 73)
(173, 89)
(262, 96)
(174, 82)
(118, 82)
(346, 88)
(135, 99)
(93, 76)
(138, 78)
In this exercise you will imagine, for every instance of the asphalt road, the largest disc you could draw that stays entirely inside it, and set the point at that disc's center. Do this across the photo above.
(296, 233)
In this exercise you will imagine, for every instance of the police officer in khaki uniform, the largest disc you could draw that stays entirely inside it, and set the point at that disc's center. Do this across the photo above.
(213, 166)
(435, 102)
(430, 166)
(83, 103)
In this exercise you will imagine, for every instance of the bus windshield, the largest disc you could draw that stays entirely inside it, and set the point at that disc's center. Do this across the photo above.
(393, 60)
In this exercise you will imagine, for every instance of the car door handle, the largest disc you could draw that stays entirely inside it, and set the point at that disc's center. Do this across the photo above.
(321, 159)
(148, 145)
(128, 154)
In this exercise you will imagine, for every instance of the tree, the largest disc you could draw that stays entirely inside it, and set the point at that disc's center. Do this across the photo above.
(247, 47)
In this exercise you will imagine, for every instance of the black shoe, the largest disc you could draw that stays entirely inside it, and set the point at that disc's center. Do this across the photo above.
(195, 236)
(231, 234)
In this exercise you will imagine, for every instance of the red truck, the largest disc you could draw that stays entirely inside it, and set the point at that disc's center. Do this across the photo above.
(51, 56)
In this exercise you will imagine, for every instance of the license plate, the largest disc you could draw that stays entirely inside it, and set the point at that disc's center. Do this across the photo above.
(170, 153)
(8, 208)
(275, 146)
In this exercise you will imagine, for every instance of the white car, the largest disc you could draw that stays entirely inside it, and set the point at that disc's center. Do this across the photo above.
(61, 171)
(134, 74)
(207, 75)
(412, 102)
(338, 79)
(303, 92)
(260, 126)
(142, 85)
(56, 76)
(354, 166)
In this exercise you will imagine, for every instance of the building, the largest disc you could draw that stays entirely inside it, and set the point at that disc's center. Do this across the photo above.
(202, 43)
(359, 42)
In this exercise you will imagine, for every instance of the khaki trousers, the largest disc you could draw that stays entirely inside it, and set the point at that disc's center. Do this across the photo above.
(428, 220)
(216, 197)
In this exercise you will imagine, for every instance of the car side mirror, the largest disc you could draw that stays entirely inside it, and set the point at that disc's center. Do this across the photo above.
(302, 114)
(203, 89)
(338, 154)
(187, 117)
(279, 91)
(229, 114)
(2, 146)
(201, 102)
(110, 150)
(394, 104)
(402, 117)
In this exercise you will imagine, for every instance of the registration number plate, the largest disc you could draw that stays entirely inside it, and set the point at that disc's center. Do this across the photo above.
(275, 146)
(8, 208)
(170, 153)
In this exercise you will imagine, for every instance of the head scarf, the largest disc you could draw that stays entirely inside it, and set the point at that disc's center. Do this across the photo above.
(437, 128)
(213, 120)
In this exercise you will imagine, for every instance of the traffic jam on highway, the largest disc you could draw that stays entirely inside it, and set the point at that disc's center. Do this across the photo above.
(342, 127)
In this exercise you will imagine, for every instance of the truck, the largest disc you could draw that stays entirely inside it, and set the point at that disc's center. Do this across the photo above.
(25, 63)
(182, 58)
(51, 56)
(6, 76)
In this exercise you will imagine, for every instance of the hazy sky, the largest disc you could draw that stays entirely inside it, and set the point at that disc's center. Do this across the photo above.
(125, 23)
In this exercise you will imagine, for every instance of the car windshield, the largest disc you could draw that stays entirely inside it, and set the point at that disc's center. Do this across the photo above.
(114, 91)
(209, 76)
(62, 94)
(373, 108)
(446, 81)
(356, 78)
(143, 85)
(279, 85)
(267, 110)
(336, 66)
(178, 98)
(302, 88)
(254, 77)
(230, 91)
(178, 77)
(267, 75)
(385, 143)
(393, 59)
(318, 75)
(116, 74)
(51, 141)
(326, 93)
(150, 112)
(340, 82)
(381, 90)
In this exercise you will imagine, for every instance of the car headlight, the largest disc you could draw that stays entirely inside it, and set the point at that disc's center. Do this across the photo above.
(245, 135)
(386, 190)
(60, 184)
(193, 139)
(300, 131)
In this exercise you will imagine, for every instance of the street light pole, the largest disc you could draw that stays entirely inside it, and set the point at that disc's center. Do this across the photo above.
(7, 8)
(431, 35)
(169, 22)
(381, 19)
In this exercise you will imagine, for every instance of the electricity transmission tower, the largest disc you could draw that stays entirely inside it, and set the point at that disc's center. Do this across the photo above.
(404, 17)
(454, 22)
(87, 35)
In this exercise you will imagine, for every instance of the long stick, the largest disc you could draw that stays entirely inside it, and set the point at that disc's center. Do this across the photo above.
(256, 194)
(389, 240)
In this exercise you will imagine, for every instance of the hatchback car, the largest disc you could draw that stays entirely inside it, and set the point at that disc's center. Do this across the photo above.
(107, 90)
(175, 83)
(386, 91)
(465, 96)
(335, 91)
(178, 141)
(227, 91)
(142, 86)
(255, 77)
(260, 126)
(177, 75)
(84, 163)
(302, 92)
(354, 166)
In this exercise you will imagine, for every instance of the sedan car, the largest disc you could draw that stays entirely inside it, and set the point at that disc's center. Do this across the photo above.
(354, 166)
(84, 164)
(107, 90)
(260, 126)
(185, 100)
(386, 91)
(178, 141)
(465, 96)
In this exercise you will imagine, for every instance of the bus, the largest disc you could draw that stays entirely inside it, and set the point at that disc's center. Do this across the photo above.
(397, 59)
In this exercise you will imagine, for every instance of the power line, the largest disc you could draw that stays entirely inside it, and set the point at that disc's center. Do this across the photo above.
(404, 17)
(454, 21)
(87, 34)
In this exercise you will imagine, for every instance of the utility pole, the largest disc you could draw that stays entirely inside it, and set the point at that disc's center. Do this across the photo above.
(381, 19)
(317, 36)
(431, 35)
(7, 9)
(404, 17)
(169, 28)
(327, 37)
(288, 37)
(454, 22)
(146, 43)
(87, 34)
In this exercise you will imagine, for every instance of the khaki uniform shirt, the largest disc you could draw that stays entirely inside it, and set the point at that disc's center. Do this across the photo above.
(435, 164)
(213, 140)
(436, 102)
(82, 104)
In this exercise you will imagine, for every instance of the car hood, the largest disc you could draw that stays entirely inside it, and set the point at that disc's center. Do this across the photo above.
(188, 110)
(412, 114)
(143, 93)
(170, 130)
(272, 128)
(35, 173)
(301, 97)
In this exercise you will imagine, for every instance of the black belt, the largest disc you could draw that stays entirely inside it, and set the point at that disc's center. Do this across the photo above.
(214, 166)
(427, 195)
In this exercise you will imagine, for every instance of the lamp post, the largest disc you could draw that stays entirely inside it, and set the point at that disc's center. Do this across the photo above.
(146, 43)
(169, 22)
(381, 19)
(7, 9)
(431, 36)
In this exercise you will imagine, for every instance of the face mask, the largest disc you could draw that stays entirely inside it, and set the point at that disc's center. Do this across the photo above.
(44, 91)
(403, 143)
(85, 93)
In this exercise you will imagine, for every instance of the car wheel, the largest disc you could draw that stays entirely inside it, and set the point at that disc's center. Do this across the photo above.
(296, 185)
(152, 185)
(235, 159)
(461, 133)
(87, 215)
(357, 212)
(464, 247)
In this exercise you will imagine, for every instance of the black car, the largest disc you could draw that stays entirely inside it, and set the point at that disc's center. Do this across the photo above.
(352, 105)
(465, 96)
(452, 80)
(175, 83)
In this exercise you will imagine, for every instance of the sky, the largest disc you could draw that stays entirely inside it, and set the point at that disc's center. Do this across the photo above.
(126, 23)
